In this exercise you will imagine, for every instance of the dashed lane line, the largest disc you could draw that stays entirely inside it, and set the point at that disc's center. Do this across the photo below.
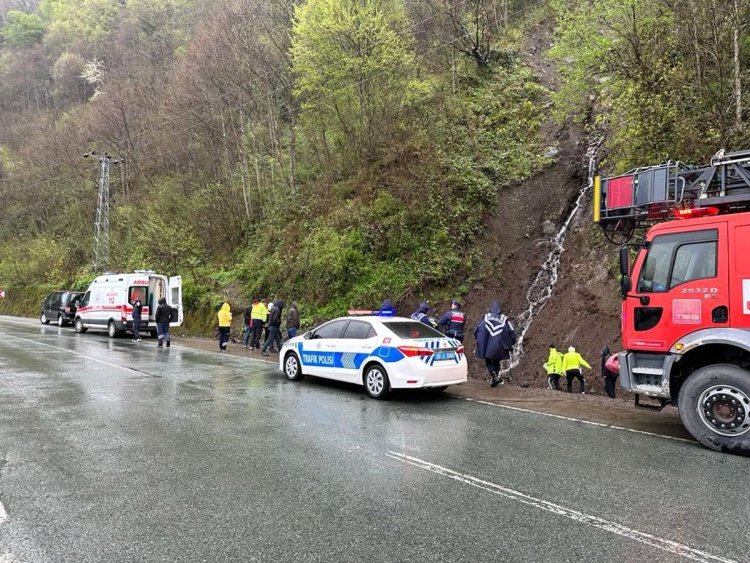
(572, 419)
(3, 514)
(651, 540)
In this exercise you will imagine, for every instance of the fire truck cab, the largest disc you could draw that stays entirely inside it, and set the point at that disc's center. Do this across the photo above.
(686, 298)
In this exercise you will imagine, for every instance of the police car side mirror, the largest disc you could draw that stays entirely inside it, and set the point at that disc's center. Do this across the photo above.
(307, 335)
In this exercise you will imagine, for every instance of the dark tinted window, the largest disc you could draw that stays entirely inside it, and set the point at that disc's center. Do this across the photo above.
(359, 330)
(334, 329)
(54, 298)
(412, 330)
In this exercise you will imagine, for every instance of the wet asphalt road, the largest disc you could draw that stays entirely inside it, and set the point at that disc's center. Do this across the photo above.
(112, 451)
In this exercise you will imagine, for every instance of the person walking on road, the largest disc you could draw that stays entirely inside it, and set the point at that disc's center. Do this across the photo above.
(163, 317)
(258, 315)
(554, 368)
(137, 315)
(274, 327)
(610, 371)
(454, 322)
(573, 364)
(225, 325)
(292, 321)
(495, 339)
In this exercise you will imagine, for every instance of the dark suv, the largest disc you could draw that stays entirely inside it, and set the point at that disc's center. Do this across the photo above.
(60, 307)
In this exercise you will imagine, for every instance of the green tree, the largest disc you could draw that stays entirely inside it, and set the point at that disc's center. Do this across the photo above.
(355, 74)
(22, 29)
(79, 24)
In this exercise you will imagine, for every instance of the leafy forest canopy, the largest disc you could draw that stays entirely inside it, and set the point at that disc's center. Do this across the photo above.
(330, 151)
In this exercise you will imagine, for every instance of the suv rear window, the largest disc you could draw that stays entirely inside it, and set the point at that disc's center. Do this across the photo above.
(412, 330)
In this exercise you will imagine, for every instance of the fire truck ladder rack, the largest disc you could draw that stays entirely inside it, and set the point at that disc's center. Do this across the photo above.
(673, 190)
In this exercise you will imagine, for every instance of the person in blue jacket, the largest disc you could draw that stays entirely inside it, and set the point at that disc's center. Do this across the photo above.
(495, 340)
(387, 310)
(453, 322)
(421, 314)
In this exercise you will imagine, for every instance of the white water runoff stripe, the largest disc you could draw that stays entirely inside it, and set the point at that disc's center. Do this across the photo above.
(594, 521)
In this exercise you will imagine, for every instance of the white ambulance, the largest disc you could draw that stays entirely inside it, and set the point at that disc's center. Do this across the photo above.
(108, 302)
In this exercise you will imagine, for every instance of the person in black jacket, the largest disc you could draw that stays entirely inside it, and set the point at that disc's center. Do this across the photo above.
(163, 316)
(274, 327)
(137, 308)
(495, 340)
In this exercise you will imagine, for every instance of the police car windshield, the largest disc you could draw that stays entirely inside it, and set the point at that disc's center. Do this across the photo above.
(412, 329)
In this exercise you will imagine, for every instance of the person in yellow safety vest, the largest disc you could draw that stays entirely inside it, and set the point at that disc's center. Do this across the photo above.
(571, 366)
(225, 325)
(554, 368)
(258, 315)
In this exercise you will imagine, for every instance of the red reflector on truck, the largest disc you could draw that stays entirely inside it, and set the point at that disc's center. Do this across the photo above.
(414, 351)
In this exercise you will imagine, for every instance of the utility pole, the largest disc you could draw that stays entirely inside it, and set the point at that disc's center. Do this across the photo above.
(101, 227)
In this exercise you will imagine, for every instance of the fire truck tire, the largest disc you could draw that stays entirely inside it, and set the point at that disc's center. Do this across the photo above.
(714, 406)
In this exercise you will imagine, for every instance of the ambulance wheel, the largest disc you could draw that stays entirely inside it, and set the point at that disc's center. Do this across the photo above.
(80, 329)
(292, 368)
(714, 406)
(112, 329)
(43, 319)
(376, 381)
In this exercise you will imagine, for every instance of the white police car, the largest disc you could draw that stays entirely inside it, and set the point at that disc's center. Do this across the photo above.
(381, 353)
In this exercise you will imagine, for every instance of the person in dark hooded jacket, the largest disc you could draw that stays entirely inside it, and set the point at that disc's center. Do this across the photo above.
(387, 310)
(274, 327)
(495, 340)
(162, 317)
(421, 314)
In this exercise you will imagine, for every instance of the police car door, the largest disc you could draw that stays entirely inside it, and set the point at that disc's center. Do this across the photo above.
(357, 343)
(317, 353)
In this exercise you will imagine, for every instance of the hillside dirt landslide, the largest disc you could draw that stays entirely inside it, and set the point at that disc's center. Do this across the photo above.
(584, 308)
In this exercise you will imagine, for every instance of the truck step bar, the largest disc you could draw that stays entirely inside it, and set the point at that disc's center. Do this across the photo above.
(651, 407)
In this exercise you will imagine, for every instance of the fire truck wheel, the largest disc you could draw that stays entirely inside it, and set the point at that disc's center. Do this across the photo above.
(714, 406)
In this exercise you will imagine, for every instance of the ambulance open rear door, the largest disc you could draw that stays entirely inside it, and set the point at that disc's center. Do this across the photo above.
(175, 297)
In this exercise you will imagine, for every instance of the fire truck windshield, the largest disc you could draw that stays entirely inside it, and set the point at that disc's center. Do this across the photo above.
(674, 259)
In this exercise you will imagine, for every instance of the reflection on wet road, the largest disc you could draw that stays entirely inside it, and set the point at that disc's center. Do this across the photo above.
(112, 451)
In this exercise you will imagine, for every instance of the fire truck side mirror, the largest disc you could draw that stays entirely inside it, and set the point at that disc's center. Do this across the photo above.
(624, 261)
(626, 284)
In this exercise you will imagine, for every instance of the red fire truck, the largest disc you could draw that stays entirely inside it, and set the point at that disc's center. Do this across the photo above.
(686, 297)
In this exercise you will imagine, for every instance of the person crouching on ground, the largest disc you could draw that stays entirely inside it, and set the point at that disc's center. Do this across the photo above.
(225, 325)
(163, 317)
(572, 362)
(495, 340)
(554, 368)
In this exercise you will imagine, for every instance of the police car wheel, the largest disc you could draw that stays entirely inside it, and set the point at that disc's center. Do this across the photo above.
(292, 369)
(714, 406)
(376, 382)
(43, 319)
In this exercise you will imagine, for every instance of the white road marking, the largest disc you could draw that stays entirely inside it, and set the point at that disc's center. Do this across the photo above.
(571, 419)
(8, 558)
(3, 516)
(594, 521)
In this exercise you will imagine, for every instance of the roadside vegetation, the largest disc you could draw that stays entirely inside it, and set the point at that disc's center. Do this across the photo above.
(333, 152)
